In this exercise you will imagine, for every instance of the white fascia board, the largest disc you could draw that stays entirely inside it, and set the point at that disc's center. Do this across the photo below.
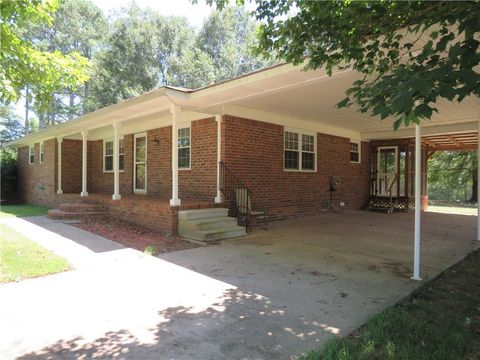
(427, 130)
(291, 122)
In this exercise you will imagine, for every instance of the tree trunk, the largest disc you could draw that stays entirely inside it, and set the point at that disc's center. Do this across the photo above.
(86, 94)
(27, 108)
(474, 197)
(71, 106)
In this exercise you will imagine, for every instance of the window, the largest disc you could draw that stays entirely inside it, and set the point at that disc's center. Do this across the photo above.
(108, 155)
(184, 148)
(354, 151)
(299, 151)
(42, 152)
(31, 154)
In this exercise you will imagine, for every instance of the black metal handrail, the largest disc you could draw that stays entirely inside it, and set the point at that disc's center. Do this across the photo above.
(236, 195)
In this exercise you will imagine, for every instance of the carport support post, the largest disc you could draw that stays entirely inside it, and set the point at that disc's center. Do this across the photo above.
(84, 192)
(116, 170)
(418, 193)
(218, 118)
(174, 201)
(59, 164)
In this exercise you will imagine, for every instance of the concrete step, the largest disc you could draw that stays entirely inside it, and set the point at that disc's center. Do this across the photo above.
(207, 223)
(82, 207)
(217, 234)
(58, 214)
(202, 213)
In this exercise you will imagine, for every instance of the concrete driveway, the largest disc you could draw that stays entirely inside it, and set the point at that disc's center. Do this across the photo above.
(269, 295)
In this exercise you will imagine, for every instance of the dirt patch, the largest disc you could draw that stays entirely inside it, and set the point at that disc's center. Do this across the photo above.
(134, 236)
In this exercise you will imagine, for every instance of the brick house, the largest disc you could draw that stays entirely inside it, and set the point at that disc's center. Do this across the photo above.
(277, 131)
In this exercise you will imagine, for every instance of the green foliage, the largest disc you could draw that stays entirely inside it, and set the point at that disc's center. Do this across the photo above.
(80, 27)
(451, 174)
(410, 54)
(22, 65)
(228, 38)
(151, 250)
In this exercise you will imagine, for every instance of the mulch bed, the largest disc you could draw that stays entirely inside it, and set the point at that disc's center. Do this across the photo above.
(134, 236)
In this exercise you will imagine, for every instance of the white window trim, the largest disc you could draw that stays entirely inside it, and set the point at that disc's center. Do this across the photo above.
(190, 148)
(301, 132)
(103, 152)
(30, 148)
(41, 153)
(359, 143)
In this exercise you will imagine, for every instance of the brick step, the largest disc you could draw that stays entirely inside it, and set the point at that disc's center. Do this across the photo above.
(58, 214)
(202, 213)
(214, 235)
(82, 207)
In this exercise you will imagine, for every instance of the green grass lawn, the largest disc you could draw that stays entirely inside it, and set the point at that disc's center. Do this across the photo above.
(440, 320)
(22, 210)
(21, 258)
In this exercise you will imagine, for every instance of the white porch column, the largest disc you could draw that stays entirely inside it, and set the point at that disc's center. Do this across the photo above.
(59, 164)
(116, 167)
(84, 164)
(218, 118)
(478, 172)
(418, 195)
(175, 201)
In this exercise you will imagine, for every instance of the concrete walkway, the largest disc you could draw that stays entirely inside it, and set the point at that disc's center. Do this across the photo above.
(269, 295)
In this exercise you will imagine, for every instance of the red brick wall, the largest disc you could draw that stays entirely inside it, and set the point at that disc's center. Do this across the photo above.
(72, 166)
(102, 182)
(36, 182)
(200, 182)
(254, 152)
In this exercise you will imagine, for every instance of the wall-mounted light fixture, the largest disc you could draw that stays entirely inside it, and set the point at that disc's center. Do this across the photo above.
(156, 142)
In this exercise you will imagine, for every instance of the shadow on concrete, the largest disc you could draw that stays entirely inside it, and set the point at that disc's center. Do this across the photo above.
(226, 330)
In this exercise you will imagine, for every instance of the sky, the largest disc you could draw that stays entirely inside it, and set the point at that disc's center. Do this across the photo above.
(195, 13)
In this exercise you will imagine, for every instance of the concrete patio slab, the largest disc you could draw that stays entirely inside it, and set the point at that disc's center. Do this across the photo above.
(269, 295)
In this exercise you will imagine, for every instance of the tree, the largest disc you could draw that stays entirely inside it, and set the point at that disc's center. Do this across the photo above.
(23, 66)
(228, 37)
(452, 176)
(78, 26)
(410, 53)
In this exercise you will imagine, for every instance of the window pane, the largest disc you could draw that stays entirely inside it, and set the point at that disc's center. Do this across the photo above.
(108, 148)
(140, 176)
(308, 161)
(121, 162)
(354, 156)
(291, 141)
(183, 137)
(140, 149)
(291, 159)
(184, 158)
(308, 143)
(108, 163)
(353, 147)
(121, 146)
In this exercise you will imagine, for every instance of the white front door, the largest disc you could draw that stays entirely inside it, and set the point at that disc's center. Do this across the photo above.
(387, 160)
(140, 164)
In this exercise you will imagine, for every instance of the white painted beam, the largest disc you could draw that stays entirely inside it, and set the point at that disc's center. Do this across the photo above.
(116, 169)
(418, 195)
(59, 164)
(175, 201)
(84, 192)
(218, 118)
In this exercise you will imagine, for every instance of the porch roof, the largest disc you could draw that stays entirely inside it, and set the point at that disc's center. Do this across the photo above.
(284, 94)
